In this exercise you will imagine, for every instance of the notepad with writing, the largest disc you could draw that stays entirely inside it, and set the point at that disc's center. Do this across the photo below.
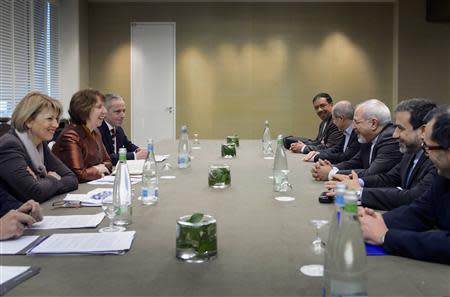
(85, 244)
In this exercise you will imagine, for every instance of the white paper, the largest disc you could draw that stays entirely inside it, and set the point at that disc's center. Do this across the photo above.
(68, 222)
(135, 166)
(13, 246)
(85, 243)
(109, 180)
(92, 198)
(9, 272)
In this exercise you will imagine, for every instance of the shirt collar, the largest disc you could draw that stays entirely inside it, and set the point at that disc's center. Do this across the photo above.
(349, 130)
(109, 125)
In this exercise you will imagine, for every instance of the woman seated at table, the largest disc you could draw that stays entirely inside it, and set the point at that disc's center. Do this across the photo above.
(28, 169)
(80, 144)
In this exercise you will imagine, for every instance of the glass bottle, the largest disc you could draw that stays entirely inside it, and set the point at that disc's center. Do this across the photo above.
(149, 189)
(184, 156)
(122, 193)
(345, 270)
(280, 168)
(266, 141)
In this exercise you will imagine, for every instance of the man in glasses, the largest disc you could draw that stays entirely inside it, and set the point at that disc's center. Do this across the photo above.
(328, 135)
(420, 230)
(379, 151)
(409, 178)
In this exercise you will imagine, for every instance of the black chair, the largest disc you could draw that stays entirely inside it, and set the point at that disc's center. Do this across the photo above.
(4, 126)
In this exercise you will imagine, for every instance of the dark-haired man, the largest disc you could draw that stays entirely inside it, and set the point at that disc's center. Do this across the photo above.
(411, 177)
(328, 135)
(420, 230)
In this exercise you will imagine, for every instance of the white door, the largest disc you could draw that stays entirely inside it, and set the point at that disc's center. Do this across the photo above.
(152, 82)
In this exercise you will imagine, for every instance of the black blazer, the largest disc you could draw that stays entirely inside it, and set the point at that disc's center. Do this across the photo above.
(381, 192)
(421, 230)
(336, 154)
(330, 137)
(7, 202)
(121, 141)
(386, 154)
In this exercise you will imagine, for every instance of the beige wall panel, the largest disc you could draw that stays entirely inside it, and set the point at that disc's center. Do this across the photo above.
(239, 64)
(424, 54)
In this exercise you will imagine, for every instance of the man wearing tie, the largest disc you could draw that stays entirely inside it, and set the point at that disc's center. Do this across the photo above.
(379, 151)
(328, 134)
(113, 135)
(410, 178)
(342, 114)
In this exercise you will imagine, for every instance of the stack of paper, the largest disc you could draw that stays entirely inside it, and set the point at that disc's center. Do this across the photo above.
(11, 276)
(85, 243)
(109, 180)
(92, 198)
(15, 246)
(69, 222)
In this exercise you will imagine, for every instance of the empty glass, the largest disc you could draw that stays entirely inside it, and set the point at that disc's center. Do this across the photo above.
(318, 245)
(111, 211)
(196, 142)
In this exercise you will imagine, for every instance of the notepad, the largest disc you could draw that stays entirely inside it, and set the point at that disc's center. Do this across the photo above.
(85, 243)
(11, 276)
(375, 250)
(135, 166)
(92, 198)
(15, 246)
(69, 222)
(109, 180)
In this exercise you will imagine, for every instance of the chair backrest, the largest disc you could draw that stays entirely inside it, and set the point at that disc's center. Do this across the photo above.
(4, 126)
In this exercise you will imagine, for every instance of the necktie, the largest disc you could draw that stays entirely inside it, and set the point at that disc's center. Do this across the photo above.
(113, 137)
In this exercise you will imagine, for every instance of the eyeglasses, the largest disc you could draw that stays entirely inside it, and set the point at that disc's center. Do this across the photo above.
(432, 147)
(66, 204)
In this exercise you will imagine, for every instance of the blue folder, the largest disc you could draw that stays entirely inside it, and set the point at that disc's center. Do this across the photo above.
(375, 250)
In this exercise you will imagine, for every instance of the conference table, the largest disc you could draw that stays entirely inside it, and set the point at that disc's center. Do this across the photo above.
(262, 242)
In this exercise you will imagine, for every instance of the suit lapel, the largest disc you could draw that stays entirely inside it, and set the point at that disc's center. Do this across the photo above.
(416, 169)
(107, 136)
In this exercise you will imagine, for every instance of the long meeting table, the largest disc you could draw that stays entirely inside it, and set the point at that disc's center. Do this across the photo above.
(262, 242)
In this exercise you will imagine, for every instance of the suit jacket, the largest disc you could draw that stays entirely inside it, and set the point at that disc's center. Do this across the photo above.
(337, 154)
(330, 137)
(385, 155)
(7, 202)
(15, 178)
(381, 192)
(121, 141)
(81, 150)
(421, 230)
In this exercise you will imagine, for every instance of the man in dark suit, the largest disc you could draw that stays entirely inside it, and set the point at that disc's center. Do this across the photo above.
(420, 230)
(379, 151)
(113, 136)
(342, 114)
(410, 178)
(328, 135)
(15, 216)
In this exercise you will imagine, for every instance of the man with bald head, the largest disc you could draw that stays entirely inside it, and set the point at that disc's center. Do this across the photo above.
(379, 151)
(342, 115)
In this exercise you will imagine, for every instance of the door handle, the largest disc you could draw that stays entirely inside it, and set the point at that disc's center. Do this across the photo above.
(169, 109)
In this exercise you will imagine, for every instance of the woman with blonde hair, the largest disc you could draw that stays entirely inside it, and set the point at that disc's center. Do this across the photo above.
(28, 169)
(80, 144)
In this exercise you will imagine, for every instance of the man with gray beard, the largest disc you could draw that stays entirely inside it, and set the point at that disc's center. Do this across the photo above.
(410, 178)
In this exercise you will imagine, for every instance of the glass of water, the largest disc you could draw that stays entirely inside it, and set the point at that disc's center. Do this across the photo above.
(318, 245)
(110, 210)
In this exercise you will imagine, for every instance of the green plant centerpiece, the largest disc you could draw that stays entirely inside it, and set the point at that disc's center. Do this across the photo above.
(228, 150)
(196, 238)
(233, 139)
(219, 176)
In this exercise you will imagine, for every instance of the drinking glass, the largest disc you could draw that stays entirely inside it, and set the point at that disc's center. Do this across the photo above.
(196, 143)
(110, 211)
(166, 171)
(318, 245)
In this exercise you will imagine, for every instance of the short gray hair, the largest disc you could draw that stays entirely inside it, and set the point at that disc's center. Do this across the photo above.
(110, 97)
(374, 108)
(344, 109)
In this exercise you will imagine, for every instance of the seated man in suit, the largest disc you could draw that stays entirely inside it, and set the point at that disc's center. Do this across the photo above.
(379, 152)
(420, 230)
(410, 178)
(328, 135)
(15, 216)
(342, 115)
(113, 135)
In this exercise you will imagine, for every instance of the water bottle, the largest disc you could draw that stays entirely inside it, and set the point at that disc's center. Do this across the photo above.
(184, 157)
(122, 191)
(149, 189)
(266, 141)
(280, 168)
(345, 269)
